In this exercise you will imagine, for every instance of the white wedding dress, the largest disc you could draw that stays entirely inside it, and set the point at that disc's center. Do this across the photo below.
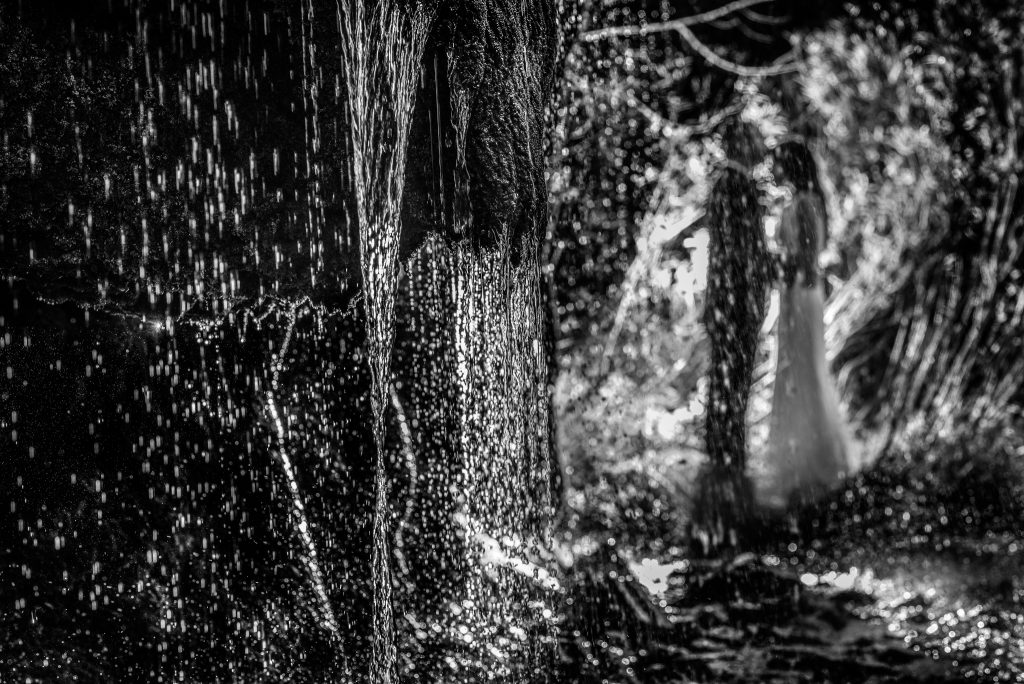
(809, 449)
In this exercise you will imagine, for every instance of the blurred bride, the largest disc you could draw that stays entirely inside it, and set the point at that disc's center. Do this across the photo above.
(808, 446)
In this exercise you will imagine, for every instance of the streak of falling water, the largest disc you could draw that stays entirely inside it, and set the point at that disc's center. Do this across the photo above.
(298, 508)
(502, 410)
(381, 51)
(475, 382)
(409, 455)
(500, 370)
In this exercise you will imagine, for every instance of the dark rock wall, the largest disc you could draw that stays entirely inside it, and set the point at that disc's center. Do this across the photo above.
(158, 154)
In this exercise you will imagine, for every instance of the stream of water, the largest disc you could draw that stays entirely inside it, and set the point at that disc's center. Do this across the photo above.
(382, 49)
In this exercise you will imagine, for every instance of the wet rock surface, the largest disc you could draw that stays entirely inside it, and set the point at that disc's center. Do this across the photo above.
(910, 573)
(743, 620)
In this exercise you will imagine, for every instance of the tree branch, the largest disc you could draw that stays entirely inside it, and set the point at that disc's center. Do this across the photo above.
(674, 24)
(682, 27)
(732, 67)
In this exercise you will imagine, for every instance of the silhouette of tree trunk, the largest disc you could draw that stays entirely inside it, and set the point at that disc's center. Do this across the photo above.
(739, 277)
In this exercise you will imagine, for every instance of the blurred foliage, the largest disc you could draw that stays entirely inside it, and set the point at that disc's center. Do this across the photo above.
(928, 329)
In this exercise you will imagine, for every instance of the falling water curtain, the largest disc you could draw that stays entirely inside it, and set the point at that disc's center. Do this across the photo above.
(200, 239)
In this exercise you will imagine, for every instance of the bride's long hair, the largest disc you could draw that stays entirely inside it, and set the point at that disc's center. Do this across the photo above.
(794, 163)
